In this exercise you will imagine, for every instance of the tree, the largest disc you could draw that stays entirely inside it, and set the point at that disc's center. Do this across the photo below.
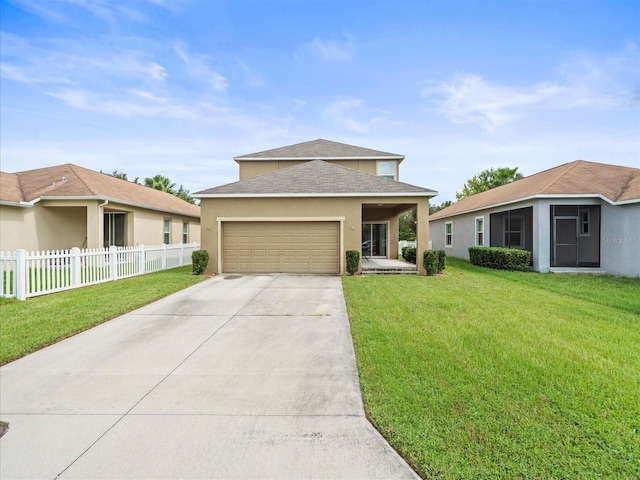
(407, 226)
(488, 179)
(123, 176)
(162, 183)
(436, 208)
(184, 194)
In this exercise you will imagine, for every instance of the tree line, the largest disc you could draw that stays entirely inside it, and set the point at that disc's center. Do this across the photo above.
(159, 182)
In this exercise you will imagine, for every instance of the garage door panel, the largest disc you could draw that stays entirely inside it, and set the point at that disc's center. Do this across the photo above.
(292, 247)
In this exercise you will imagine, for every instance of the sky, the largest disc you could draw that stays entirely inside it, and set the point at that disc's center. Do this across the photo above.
(180, 87)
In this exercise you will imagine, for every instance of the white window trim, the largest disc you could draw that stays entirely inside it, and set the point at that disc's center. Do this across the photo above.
(448, 245)
(164, 231)
(478, 231)
(185, 232)
(386, 175)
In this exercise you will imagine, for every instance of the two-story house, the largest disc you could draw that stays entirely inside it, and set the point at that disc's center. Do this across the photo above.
(299, 208)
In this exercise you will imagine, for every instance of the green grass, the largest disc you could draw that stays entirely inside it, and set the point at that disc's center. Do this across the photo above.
(487, 374)
(37, 322)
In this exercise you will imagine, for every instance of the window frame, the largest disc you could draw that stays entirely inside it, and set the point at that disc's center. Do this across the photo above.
(448, 234)
(583, 222)
(166, 232)
(480, 236)
(507, 233)
(393, 165)
(185, 232)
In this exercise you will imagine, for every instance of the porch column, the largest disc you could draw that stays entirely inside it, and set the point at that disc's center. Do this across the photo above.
(541, 236)
(422, 232)
(94, 225)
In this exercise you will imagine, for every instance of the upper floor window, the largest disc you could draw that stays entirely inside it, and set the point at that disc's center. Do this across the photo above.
(387, 169)
(448, 234)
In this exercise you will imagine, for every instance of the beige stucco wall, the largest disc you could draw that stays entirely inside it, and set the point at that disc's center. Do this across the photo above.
(300, 208)
(54, 225)
(250, 169)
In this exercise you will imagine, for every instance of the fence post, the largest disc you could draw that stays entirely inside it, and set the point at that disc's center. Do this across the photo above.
(75, 267)
(181, 262)
(164, 256)
(113, 262)
(20, 275)
(142, 264)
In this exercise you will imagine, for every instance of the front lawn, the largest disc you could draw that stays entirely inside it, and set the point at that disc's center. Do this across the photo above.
(37, 322)
(486, 374)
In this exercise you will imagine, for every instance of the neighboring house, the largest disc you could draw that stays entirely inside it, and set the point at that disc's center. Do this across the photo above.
(578, 215)
(69, 206)
(300, 208)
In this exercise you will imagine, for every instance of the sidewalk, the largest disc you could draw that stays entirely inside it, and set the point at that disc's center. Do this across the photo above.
(237, 377)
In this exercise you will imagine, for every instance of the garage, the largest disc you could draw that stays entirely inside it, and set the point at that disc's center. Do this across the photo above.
(281, 247)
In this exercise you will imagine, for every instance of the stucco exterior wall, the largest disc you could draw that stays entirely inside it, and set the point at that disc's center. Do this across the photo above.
(261, 209)
(620, 239)
(55, 225)
(250, 169)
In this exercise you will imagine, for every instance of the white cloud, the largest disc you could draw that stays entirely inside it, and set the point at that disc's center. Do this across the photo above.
(583, 81)
(332, 50)
(197, 67)
(343, 113)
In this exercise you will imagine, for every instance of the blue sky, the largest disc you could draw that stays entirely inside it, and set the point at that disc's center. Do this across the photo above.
(179, 88)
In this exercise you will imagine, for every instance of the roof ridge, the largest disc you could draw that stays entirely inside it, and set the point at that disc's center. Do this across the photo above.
(90, 187)
(569, 167)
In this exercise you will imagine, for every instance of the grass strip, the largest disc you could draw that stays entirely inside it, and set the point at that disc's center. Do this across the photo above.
(483, 374)
(40, 321)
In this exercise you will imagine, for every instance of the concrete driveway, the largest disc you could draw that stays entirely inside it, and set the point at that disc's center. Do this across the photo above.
(238, 377)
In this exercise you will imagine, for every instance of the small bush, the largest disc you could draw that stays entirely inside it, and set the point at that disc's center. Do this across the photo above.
(430, 261)
(353, 261)
(409, 254)
(500, 258)
(199, 260)
(442, 260)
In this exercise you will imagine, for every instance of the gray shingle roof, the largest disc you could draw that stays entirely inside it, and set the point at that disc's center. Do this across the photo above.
(319, 150)
(316, 178)
(613, 182)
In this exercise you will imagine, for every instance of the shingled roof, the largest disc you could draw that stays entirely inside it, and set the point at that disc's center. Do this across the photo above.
(71, 181)
(613, 183)
(316, 178)
(320, 150)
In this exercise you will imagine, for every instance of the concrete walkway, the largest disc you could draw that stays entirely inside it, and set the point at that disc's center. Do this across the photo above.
(239, 377)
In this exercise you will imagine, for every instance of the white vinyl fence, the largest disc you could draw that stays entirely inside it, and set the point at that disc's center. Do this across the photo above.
(29, 274)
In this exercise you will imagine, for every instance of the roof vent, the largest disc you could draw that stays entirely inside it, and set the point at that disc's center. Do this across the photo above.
(64, 179)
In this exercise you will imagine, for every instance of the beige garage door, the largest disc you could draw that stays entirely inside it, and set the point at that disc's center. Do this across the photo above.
(275, 247)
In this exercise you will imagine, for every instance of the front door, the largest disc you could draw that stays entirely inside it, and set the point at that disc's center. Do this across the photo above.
(376, 234)
(566, 241)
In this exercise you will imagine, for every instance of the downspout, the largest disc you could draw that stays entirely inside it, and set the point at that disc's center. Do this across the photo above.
(101, 218)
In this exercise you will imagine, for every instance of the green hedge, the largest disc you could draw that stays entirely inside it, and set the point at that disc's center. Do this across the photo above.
(500, 258)
(353, 261)
(434, 261)
(199, 260)
(409, 254)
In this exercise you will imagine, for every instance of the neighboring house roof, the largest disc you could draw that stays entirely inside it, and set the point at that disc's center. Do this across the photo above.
(615, 184)
(73, 182)
(316, 178)
(320, 150)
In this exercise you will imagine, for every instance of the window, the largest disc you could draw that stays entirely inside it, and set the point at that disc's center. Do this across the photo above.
(167, 231)
(114, 229)
(480, 231)
(448, 234)
(514, 231)
(584, 223)
(387, 169)
(185, 232)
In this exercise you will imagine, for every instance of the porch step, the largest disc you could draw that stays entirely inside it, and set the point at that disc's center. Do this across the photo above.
(389, 271)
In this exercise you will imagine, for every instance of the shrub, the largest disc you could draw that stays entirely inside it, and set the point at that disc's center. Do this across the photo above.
(409, 254)
(500, 258)
(353, 261)
(430, 261)
(199, 260)
(442, 260)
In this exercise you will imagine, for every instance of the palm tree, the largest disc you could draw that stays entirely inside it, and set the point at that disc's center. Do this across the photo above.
(162, 183)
